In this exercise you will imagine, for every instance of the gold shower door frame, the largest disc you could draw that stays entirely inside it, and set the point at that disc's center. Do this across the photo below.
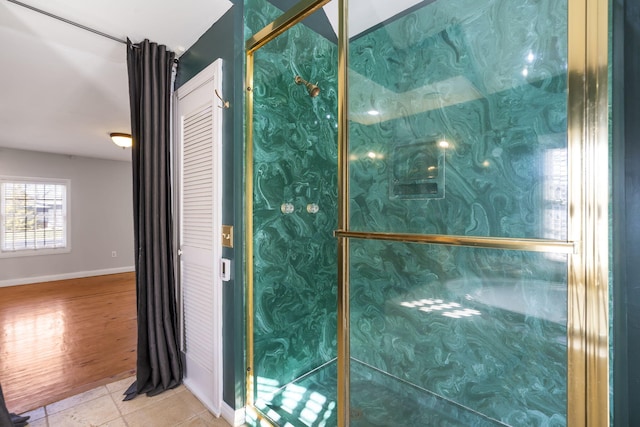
(587, 245)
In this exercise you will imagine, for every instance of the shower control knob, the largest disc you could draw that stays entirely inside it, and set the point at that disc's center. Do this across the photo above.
(312, 208)
(287, 208)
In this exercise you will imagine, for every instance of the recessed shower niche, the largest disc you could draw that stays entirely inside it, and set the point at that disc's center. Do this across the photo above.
(418, 170)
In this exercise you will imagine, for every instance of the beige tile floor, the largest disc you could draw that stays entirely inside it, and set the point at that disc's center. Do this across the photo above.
(103, 406)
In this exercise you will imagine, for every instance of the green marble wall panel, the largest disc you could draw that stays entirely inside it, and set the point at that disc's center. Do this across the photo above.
(485, 329)
(295, 163)
(257, 14)
(490, 79)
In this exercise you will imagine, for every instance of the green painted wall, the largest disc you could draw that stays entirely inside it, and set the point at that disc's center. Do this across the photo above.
(626, 203)
(225, 40)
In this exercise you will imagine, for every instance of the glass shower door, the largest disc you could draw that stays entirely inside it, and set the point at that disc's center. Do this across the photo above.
(458, 211)
(292, 208)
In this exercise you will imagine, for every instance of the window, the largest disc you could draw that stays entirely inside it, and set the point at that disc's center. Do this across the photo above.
(33, 216)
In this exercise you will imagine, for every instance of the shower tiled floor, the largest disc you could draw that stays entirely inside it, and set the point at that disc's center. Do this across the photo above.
(377, 400)
(103, 406)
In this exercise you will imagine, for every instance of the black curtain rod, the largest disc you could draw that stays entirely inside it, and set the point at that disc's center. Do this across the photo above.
(75, 24)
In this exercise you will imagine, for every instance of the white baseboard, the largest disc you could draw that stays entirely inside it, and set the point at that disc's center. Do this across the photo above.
(233, 417)
(66, 276)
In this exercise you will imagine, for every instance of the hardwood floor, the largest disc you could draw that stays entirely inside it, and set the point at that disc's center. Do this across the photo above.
(65, 337)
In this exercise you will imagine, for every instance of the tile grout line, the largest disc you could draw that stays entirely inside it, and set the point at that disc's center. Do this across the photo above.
(119, 414)
(117, 407)
(46, 415)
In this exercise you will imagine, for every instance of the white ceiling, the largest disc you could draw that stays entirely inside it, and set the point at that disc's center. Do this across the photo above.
(364, 14)
(64, 88)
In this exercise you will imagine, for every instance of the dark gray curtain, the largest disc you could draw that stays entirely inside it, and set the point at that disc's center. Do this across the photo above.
(10, 419)
(5, 419)
(158, 364)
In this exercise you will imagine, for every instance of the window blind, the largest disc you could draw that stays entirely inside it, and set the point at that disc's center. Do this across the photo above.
(34, 215)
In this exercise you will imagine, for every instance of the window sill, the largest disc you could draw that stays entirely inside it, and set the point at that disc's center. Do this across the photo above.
(31, 252)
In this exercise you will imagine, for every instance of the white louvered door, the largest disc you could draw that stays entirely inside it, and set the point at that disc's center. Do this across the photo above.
(199, 121)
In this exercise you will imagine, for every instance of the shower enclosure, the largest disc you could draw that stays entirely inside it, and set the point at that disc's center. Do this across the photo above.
(293, 212)
(416, 246)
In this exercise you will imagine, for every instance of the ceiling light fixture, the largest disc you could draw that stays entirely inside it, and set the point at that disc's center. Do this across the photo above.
(121, 139)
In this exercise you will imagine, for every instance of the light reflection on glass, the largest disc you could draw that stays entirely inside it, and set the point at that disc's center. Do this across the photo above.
(457, 314)
(447, 309)
(310, 407)
(555, 195)
(308, 416)
(530, 57)
(267, 387)
(273, 415)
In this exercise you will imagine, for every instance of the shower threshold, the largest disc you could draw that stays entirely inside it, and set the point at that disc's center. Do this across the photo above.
(377, 400)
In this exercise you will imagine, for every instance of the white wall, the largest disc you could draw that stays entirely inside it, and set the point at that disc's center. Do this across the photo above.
(101, 217)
